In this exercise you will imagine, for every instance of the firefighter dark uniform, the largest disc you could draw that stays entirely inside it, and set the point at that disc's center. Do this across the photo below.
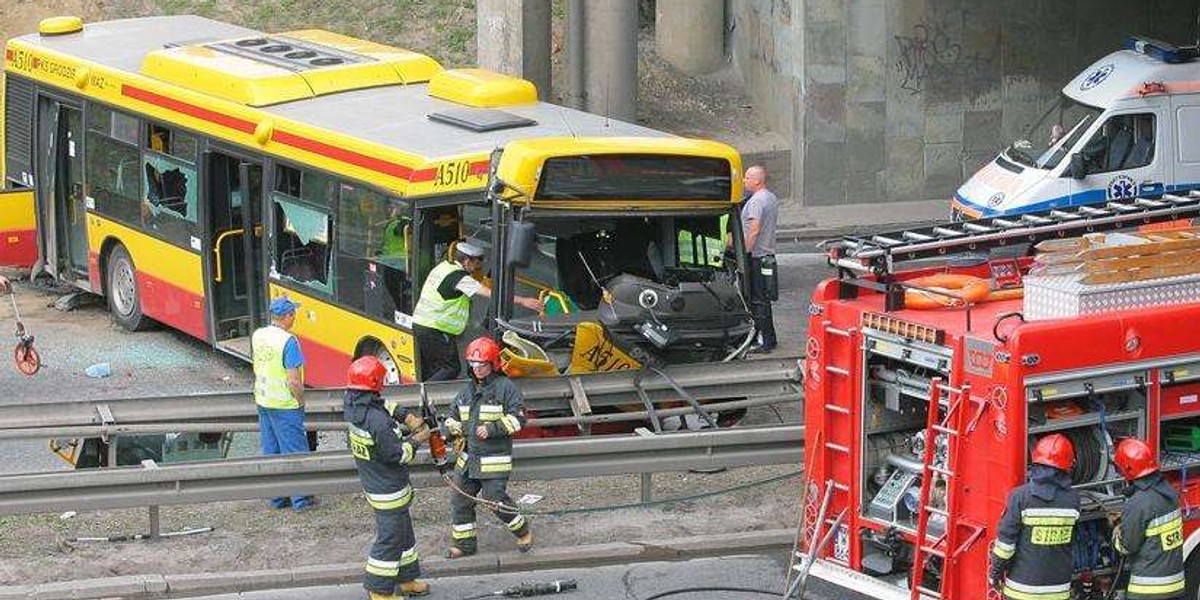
(382, 450)
(1031, 557)
(483, 465)
(1150, 531)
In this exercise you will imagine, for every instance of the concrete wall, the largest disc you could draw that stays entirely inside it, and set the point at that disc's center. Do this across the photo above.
(897, 100)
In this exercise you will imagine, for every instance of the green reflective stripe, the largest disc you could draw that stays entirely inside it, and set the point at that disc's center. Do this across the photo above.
(409, 556)
(1164, 519)
(464, 413)
(1166, 527)
(1050, 512)
(270, 378)
(1003, 550)
(1023, 591)
(1167, 586)
(434, 311)
(461, 461)
(360, 442)
(516, 524)
(495, 464)
(1032, 521)
(462, 531)
(490, 412)
(511, 424)
(383, 568)
(409, 452)
(391, 501)
(390, 406)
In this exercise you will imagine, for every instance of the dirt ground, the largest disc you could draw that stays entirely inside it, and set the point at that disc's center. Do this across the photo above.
(248, 535)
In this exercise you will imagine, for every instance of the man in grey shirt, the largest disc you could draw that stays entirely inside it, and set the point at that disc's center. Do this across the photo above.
(759, 215)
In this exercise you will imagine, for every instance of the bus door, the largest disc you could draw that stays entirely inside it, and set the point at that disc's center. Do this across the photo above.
(235, 258)
(60, 186)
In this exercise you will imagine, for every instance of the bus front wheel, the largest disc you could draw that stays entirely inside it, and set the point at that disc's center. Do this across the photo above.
(122, 290)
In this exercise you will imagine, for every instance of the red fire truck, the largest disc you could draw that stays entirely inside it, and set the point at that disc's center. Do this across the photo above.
(920, 416)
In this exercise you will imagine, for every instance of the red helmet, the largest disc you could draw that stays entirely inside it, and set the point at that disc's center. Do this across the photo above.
(484, 349)
(1054, 450)
(1134, 458)
(367, 373)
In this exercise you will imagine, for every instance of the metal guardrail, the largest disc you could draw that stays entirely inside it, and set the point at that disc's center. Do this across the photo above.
(561, 400)
(334, 472)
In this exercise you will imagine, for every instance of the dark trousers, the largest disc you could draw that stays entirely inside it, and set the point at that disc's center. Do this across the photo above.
(439, 354)
(462, 510)
(393, 558)
(760, 305)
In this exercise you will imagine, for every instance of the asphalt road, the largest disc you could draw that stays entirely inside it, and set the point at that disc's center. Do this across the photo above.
(639, 581)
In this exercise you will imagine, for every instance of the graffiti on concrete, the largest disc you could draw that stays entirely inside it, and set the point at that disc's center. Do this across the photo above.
(932, 50)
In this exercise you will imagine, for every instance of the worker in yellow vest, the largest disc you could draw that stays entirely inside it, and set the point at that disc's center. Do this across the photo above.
(279, 389)
(443, 308)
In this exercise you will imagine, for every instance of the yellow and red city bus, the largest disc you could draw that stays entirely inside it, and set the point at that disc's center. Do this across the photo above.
(191, 170)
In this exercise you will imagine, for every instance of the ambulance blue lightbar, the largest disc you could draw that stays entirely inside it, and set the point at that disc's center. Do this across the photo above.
(1159, 50)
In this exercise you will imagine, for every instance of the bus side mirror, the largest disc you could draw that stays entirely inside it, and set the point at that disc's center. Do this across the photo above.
(1078, 167)
(522, 237)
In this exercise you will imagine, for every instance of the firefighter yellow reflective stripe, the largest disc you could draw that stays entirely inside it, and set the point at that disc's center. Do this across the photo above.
(516, 524)
(390, 406)
(409, 452)
(1049, 516)
(409, 556)
(1165, 524)
(495, 464)
(1118, 544)
(461, 461)
(1168, 585)
(511, 424)
(360, 442)
(383, 568)
(464, 413)
(490, 412)
(391, 501)
(1024, 591)
(1004, 550)
(462, 531)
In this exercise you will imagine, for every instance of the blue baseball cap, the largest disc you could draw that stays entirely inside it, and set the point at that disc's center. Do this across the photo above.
(283, 306)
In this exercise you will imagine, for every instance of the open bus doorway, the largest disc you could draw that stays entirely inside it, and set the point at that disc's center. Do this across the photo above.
(60, 169)
(235, 260)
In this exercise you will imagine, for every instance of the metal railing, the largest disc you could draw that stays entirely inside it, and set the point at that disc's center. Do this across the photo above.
(557, 401)
(152, 485)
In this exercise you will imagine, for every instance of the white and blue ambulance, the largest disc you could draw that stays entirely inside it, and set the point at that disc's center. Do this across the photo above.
(1128, 125)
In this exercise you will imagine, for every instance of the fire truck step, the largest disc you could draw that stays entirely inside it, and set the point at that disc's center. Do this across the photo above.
(837, 409)
(837, 447)
(837, 370)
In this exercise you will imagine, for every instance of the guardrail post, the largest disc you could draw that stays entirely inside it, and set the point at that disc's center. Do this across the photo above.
(155, 525)
(647, 487)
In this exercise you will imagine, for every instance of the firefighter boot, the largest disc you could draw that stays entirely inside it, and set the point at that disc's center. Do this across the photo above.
(525, 542)
(412, 588)
(378, 596)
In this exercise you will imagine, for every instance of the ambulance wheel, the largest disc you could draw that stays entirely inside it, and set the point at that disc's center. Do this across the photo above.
(122, 291)
(1191, 571)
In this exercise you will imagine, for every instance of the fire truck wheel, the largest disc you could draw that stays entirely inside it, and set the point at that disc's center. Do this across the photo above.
(122, 291)
(1191, 570)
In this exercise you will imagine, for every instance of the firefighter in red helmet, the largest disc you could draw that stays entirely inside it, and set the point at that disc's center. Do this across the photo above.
(485, 417)
(1149, 530)
(1031, 557)
(383, 444)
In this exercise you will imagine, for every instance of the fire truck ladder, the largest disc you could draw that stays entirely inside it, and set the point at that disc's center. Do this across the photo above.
(858, 256)
(954, 425)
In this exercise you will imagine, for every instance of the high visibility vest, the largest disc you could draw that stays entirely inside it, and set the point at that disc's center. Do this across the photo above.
(434, 311)
(394, 242)
(270, 377)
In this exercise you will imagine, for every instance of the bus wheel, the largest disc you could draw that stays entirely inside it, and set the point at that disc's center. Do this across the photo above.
(1191, 570)
(123, 298)
(376, 349)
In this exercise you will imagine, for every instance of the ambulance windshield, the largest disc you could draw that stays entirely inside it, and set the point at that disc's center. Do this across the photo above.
(1052, 136)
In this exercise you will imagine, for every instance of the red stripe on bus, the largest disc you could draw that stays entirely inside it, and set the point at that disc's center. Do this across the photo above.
(190, 110)
(173, 305)
(324, 366)
(423, 175)
(18, 248)
(342, 154)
